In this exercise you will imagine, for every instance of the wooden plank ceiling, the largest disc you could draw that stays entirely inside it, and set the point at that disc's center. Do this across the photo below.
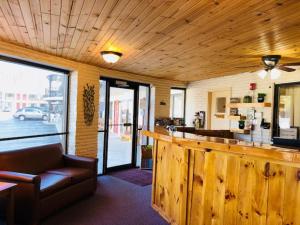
(175, 39)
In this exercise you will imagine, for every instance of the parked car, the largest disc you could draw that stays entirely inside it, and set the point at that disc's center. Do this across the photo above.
(31, 113)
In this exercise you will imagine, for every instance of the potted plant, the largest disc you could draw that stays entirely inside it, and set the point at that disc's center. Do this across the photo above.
(146, 151)
(261, 97)
(242, 124)
(146, 161)
(247, 99)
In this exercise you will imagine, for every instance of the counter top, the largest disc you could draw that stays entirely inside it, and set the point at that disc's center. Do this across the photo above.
(227, 145)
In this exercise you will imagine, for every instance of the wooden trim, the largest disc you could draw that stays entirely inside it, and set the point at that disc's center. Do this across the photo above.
(242, 148)
(249, 105)
(240, 131)
(209, 109)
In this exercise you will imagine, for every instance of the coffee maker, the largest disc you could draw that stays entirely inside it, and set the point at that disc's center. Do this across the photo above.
(199, 121)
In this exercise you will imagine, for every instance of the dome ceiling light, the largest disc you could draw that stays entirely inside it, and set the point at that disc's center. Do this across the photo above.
(111, 56)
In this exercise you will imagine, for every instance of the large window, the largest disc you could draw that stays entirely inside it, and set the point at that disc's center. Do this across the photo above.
(287, 115)
(177, 103)
(33, 105)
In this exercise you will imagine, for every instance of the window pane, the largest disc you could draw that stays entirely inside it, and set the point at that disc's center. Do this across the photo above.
(102, 97)
(143, 112)
(177, 103)
(31, 142)
(144, 92)
(32, 101)
(100, 151)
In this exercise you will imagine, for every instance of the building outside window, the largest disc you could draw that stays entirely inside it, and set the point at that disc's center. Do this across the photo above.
(177, 103)
(33, 111)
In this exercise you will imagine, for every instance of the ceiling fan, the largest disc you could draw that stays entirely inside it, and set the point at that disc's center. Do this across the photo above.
(271, 66)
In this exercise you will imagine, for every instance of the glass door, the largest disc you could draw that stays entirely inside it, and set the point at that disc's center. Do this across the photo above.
(120, 126)
(123, 111)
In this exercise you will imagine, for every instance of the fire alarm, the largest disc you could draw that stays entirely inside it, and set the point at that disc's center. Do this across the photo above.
(252, 86)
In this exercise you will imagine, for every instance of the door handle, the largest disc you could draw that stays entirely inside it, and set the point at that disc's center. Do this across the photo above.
(127, 124)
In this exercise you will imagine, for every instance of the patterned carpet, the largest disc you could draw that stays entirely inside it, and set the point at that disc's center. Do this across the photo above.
(116, 202)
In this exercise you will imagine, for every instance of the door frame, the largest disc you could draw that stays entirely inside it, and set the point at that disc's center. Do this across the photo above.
(113, 82)
(210, 106)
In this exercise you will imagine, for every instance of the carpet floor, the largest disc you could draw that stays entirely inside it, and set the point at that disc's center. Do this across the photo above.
(116, 202)
(135, 176)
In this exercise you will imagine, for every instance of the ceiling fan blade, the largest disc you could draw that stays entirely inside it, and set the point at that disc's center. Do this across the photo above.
(286, 69)
(291, 64)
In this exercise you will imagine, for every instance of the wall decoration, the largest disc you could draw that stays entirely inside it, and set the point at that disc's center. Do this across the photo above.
(89, 104)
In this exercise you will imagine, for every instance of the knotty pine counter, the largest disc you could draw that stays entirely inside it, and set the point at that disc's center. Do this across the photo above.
(206, 180)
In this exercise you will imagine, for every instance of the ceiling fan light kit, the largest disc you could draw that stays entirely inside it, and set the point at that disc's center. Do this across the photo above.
(271, 67)
(111, 56)
(262, 74)
(275, 74)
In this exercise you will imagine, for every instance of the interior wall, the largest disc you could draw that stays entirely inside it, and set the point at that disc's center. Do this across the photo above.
(197, 96)
(83, 139)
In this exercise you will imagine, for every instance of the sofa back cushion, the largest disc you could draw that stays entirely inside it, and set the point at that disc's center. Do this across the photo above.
(32, 160)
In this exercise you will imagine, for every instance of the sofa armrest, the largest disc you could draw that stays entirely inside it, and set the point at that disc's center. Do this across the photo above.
(19, 177)
(83, 162)
(27, 194)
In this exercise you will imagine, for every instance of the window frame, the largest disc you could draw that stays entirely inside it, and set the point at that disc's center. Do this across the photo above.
(54, 69)
(184, 100)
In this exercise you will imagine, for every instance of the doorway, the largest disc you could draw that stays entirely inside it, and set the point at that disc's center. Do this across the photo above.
(218, 117)
(122, 103)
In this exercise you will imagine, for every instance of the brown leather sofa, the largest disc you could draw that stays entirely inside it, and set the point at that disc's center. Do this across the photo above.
(47, 180)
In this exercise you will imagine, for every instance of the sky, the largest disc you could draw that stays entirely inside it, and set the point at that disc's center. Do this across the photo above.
(17, 78)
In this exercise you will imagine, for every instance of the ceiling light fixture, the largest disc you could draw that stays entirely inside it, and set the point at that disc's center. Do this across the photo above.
(111, 56)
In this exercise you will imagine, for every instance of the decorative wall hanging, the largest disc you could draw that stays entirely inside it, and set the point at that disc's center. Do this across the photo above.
(89, 104)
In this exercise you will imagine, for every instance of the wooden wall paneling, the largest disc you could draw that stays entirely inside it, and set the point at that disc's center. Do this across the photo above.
(170, 197)
(10, 21)
(106, 33)
(17, 14)
(225, 187)
(183, 163)
(6, 34)
(276, 194)
(80, 18)
(55, 11)
(63, 24)
(158, 38)
(291, 203)
(219, 191)
(259, 198)
(97, 28)
(46, 20)
(245, 192)
(35, 8)
(80, 29)
(71, 27)
(209, 186)
(196, 191)
(158, 182)
(154, 171)
(83, 41)
(232, 190)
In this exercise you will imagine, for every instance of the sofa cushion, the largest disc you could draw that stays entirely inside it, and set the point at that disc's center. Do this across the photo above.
(76, 174)
(33, 160)
(51, 183)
